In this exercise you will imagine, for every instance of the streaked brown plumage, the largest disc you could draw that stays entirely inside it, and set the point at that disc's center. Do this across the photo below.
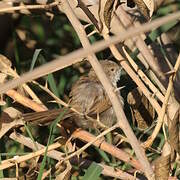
(87, 96)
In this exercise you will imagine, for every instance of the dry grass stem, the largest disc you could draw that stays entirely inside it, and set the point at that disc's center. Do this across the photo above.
(18, 159)
(145, 79)
(123, 123)
(26, 7)
(114, 151)
(151, 81)
(25, 101)
(10, 72)
(78, 152)
(75, 56)
(30, 144)
(164, 106)
(116, 173)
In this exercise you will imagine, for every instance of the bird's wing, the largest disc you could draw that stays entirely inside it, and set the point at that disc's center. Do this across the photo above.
(89, 97)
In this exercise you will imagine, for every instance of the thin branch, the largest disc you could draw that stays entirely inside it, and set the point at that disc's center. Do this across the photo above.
(144, 78)
(107, 170)
(25, 101)
(19, 159)
(30, 144)
(26, 7)
(164, 106)
(75, 56)
(141, 45)
(117, 173)
(79, 151)
(122, 121)
(109, 148)
(7, 69)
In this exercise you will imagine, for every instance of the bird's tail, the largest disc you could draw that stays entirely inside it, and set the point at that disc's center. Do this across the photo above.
(45, 117)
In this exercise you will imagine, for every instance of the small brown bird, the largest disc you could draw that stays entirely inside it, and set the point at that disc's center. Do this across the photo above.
(89, 98)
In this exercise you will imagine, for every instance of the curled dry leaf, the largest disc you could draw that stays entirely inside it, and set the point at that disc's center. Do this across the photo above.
(108, 9)
(142, 111)
(65, 175)
(5, 64)
(33, 169)
(150, 5)
(105, 13)
(9, 119)
(173, 127)
(12, 112)
(173, 117)
(162, 164)
(146, 7)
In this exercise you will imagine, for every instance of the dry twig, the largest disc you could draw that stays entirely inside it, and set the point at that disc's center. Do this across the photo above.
(75, 56)
(26, 7)
(122, 121)
(164, 106)
(18, 159)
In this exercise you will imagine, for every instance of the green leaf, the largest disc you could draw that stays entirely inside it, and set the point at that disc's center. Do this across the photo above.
(93, 172)
(1, 172)
(52, 84)
(35, 57)
(103, 155)
(30, 135)
(50, 141)
(164, 28)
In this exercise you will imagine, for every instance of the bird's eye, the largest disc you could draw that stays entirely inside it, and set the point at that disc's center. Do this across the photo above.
(112, 69)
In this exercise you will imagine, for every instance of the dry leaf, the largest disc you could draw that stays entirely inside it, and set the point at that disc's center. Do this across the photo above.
(12, 112)
(2, 103)
(108, 9)
(162, 164)
(5, 64)
(150, 5)
(173, 127)
(2, 77)
(146, 7)
(142, 8)
(173, 116)
(9, 119)
(105, 13)
(65, 175)
(21, 34)
(142, 111)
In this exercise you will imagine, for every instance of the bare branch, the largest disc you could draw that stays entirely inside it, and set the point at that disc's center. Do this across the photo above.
(75, 56)
(164, 106)
(122, 121)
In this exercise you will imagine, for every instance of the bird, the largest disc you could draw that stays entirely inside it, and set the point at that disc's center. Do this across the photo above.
(89, 98)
